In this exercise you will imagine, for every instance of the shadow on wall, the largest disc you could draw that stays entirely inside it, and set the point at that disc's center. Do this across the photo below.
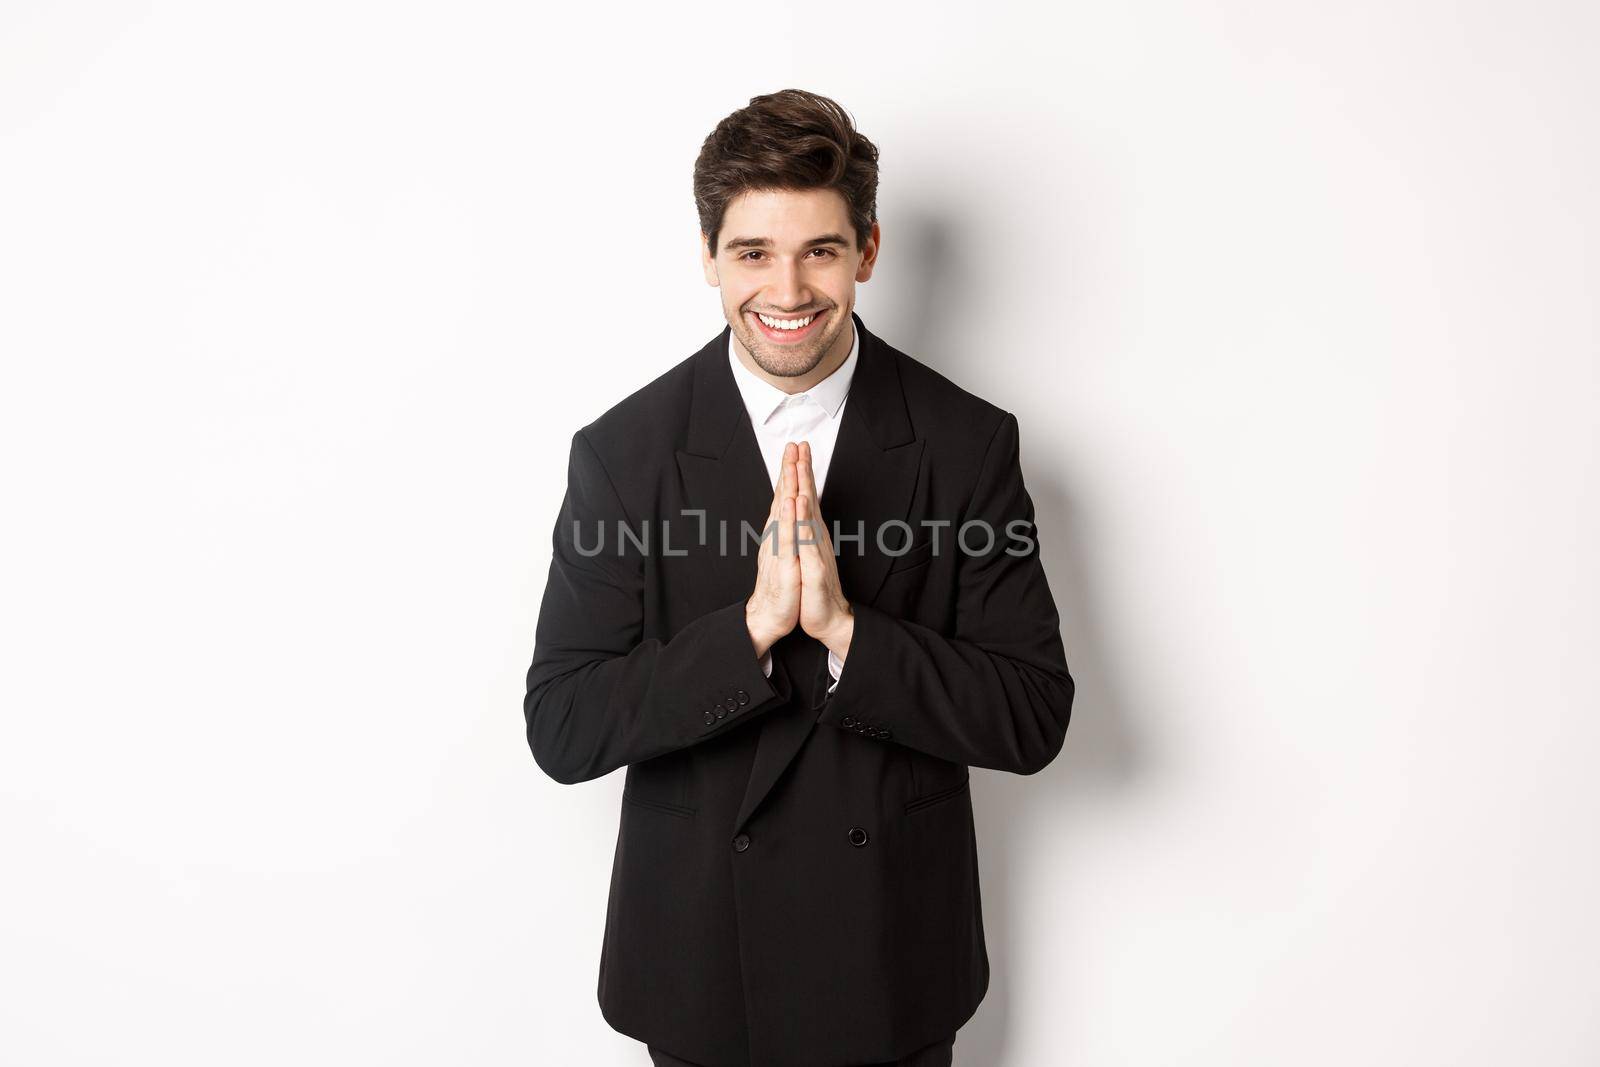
(1016, 816)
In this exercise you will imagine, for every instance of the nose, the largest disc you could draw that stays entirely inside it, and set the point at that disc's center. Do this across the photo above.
(788, 289)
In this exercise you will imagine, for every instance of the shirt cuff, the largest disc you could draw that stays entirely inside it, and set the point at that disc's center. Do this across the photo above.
(835, 668)
(766, 663)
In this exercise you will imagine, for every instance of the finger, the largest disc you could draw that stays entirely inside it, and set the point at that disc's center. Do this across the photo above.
(780, 487)
(801, 533)
(825, 563)
(791, 484)
(824, 542)
(806, 513)
(810, 484)
(786, 528)
(805, 488)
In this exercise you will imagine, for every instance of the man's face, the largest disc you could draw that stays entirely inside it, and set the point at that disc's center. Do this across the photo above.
(789, 255)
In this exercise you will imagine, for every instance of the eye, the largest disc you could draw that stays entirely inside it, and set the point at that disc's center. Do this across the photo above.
(828, 252)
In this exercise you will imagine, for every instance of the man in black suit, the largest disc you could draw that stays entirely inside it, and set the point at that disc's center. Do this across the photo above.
(796, 648)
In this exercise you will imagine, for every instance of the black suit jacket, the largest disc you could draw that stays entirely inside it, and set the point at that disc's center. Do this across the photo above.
(795, 880)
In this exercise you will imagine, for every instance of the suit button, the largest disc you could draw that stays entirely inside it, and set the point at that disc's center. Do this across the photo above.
(848, 722)
(883, 734)
(858, 836)
(710, 718)
(729, 704)
(741, 842)
(743, 697)
(720, 713)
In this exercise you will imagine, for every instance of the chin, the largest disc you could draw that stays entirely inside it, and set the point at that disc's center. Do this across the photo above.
(784, 363)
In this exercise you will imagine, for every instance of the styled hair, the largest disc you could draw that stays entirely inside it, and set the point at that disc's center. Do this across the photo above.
(790, 139)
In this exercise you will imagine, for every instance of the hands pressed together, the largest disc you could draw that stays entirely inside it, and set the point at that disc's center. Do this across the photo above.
(799, 583)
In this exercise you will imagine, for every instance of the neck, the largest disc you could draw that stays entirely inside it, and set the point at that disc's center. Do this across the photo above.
(832, 361)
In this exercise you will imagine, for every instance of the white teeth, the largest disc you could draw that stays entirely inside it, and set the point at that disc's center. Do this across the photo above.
(786, 324)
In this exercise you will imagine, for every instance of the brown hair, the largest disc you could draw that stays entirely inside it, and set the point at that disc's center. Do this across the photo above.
(790, 139)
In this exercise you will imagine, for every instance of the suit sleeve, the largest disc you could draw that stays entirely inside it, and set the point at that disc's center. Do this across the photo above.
(996, 692)
(600, 694)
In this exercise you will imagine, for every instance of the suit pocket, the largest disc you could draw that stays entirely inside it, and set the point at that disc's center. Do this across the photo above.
(662, 806)
(938, 796)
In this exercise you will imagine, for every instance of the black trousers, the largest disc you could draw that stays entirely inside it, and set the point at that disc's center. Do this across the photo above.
(938, 1054)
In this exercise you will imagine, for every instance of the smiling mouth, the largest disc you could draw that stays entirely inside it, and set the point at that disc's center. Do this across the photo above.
(786, 329)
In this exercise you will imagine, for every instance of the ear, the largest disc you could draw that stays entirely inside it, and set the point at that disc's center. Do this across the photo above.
(869, 254)
(708, 265)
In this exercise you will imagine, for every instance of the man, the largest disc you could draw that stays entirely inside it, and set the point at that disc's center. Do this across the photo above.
(795, 882)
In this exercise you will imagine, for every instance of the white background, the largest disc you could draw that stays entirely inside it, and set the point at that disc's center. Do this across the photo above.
(1295, 304)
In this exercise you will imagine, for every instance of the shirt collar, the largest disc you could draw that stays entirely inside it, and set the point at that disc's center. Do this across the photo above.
(762, 398)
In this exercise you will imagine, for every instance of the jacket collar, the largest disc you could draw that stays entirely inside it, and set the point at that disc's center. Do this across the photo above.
(874, 393)
(762, 399)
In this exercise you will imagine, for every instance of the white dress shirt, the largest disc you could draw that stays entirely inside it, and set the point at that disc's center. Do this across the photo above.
(778, 418)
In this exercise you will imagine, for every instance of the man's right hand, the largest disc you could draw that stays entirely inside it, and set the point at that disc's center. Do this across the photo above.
(774, 608)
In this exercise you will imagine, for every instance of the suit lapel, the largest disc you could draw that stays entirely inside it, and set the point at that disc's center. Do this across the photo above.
(724, 474)
(873, 471)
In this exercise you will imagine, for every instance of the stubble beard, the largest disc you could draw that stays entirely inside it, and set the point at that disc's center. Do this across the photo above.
(783, 361)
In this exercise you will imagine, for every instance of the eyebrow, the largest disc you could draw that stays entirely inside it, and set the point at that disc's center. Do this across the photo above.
(766, 242)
